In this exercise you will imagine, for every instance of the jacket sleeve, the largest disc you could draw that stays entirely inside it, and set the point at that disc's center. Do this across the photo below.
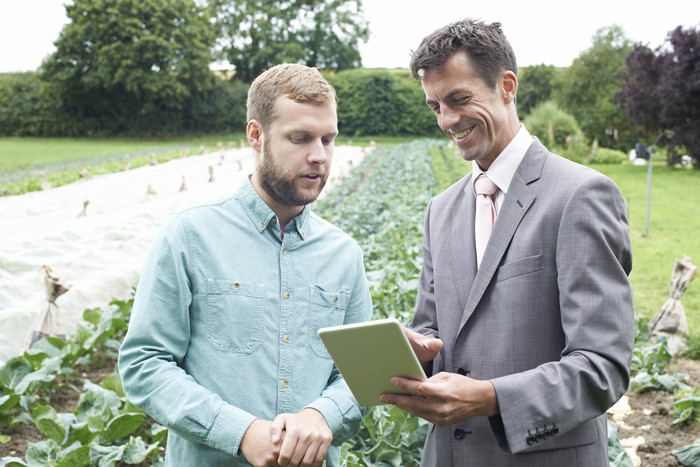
(156, 343)
(593, 259)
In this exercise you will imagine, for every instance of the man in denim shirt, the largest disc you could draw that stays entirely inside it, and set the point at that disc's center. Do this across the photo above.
(222, 346)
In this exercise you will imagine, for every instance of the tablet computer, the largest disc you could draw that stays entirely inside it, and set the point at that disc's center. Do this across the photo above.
(369, 354)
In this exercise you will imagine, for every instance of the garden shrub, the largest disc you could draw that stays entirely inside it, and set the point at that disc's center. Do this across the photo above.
(552, 125)
(607, 156)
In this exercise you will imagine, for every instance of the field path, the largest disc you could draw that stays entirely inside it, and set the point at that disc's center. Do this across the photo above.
(100, 253)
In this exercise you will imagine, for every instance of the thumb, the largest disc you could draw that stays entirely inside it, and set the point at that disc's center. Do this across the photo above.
(277, 427)
(432, 344)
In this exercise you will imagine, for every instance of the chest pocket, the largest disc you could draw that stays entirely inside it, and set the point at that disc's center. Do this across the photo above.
(234, 316)
(325, 309)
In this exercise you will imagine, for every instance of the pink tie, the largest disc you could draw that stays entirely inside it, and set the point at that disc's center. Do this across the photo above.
(485, 213)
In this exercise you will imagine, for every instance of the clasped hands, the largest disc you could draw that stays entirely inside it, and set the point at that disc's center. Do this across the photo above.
(300, 439)
(445, 398)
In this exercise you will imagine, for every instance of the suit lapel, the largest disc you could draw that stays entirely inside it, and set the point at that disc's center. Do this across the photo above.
(516, 203)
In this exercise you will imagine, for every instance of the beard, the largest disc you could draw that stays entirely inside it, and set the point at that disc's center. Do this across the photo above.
(281, 187)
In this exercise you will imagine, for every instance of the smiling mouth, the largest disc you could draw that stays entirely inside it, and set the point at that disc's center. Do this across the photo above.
(463, 133)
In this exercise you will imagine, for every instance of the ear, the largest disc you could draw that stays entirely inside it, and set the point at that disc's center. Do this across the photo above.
(509, 84)
(255, 135)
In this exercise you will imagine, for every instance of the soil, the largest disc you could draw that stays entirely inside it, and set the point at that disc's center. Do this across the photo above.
(645, 428)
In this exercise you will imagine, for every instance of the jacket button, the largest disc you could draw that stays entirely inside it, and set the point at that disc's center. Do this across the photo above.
(538, 437)
(462, 371)
(555, 431)
(547, 434)
(530, 440)
(460, 433)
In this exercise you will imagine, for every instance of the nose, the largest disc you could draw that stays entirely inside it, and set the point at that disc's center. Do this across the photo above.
(319, 152)
(447, 118)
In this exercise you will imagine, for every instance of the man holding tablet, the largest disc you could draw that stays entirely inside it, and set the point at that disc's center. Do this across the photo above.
(534, 323)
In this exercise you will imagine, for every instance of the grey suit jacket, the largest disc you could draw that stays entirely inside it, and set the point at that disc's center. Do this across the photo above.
(548, 318)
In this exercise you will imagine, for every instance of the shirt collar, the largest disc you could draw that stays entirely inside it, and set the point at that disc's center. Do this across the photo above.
(260, 213)
(503, 168)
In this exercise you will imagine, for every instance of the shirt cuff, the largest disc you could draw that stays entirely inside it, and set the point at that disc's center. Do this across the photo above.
(330, 411)
(228, 429)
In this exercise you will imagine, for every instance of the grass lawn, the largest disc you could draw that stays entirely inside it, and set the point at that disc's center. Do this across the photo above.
(674, 231)
(61, 159)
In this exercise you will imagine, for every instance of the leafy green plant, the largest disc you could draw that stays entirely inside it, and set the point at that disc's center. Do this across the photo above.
(617, 456)
(105, 428)
(389, 437)
(688, 455)
(650, 362)
(687, 405)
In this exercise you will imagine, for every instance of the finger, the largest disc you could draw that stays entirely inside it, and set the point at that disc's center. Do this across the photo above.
(276, 428)
(289, 450)
(310, 456)
(409, 385)
(426, 348)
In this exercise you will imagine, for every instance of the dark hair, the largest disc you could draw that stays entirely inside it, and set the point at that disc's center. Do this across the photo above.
(485, 44)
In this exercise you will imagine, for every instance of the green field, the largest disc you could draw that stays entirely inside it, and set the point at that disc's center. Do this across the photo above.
(674, 221)
(674, 231)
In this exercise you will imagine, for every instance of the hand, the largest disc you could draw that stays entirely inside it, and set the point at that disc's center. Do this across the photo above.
(426, 348)
(445, 399)
(257, 446)
(307, 437)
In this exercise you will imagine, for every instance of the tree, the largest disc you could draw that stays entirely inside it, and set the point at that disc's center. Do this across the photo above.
(128, 65)
(255, 35)
(586, 89)
(534, 87)
(661, 91)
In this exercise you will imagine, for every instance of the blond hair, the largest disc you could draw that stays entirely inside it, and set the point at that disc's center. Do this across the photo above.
(297, 82)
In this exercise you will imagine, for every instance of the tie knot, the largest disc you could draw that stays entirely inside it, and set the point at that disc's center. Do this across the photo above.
(484, 186)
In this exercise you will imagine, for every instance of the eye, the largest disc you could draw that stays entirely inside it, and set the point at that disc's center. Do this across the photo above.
(298, 139)
(435, 109)
(328, 140)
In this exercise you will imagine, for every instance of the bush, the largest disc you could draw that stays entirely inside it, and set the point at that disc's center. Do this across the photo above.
(607, 156)
(552, 125)
(381, 102)
(221, 109)
(28, 107)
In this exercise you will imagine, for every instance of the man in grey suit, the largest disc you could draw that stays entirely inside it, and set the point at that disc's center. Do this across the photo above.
(527, 350)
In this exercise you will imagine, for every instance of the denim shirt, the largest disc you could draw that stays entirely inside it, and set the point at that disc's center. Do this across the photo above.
(223, 328)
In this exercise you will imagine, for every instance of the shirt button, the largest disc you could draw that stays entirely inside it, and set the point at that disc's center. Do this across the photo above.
(286, 295)
(301, 231)
(284, 252)
(260, 224)
(335, 298)
(286, 338)
(236, 286)
(285, 383)
(273, 220)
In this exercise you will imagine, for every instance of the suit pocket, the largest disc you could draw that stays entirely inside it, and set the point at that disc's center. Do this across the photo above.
(519, 267)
